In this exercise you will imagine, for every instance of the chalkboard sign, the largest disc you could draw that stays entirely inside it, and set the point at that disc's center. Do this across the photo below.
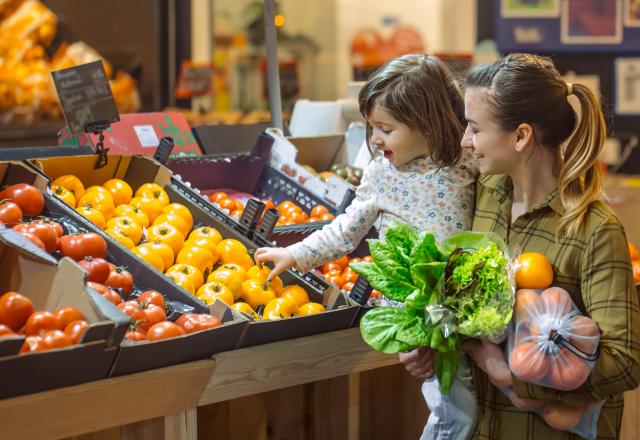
(85, 96)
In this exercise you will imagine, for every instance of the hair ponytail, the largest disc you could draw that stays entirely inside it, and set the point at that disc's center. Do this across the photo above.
(580, 182)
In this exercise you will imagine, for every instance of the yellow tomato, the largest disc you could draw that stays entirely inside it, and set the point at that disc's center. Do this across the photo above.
(234, 252)
(211, 291)
(280, 308)
(243, 307)
(92, 214)
(101, 190)
(181, 211)
(295, 293)
(72, 183)
(206, 232)
(147, 254)
(183, 281)
(100, 201)
(262, 273)
(64, 194)
(127, 225)
(204, 242)
(135, 213)
(120, 190)
(310, 308)
(190, 271)
(155, 192)
(199, 257)
(256, 293)
(166, 234)
(236, 268)
(164, 251)
(152, 208)
(174, 220)
(229, 278)
(121, 237)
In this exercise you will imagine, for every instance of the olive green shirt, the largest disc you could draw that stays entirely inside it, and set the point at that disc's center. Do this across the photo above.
(594, 267)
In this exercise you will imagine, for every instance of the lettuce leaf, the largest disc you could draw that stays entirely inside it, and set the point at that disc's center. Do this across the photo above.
(393, 329)
(392, 288)
(388, 260)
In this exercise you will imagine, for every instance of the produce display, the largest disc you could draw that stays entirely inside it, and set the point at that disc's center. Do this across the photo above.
(199, 260)
(339, 273)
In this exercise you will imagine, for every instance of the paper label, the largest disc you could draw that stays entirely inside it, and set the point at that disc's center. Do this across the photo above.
(146, 135)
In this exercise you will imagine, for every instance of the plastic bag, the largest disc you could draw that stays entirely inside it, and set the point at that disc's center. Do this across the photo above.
(551, 344)
(582, 421)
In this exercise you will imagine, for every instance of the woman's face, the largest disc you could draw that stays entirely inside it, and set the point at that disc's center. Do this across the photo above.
(493, 148)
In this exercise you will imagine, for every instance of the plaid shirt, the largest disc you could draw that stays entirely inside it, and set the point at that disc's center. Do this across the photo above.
(593, 266)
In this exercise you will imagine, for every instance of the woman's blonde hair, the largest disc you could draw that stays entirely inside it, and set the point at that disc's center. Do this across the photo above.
(419, 91)
(528, 89)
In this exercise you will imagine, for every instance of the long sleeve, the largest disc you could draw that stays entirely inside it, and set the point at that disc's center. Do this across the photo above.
(610, 299)
(343, 234)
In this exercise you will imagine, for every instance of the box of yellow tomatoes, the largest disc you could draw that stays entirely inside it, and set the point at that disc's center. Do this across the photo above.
(138, 204)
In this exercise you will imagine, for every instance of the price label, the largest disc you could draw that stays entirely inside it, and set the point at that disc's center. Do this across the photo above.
(146, 135)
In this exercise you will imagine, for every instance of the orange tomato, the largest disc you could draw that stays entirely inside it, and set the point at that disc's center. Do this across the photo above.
(151, 207)
(298, 217)
(262, 273)
(236, 214)
(204, 242)
(633, 252)
(356, 260)
(296, 293)
(93, 215)
(102, 201)
(556, 301)
(180, 211)
(528, 363)
(343, 261)
(127, 225)
(635, 265)
(214, 290)
(229, 278)
(334, 276)
(120, 190)
(319, 211)
(135, 213)
(348, 276)
(567, 371)
(527, 302)
(182, 280)
(234, 252)
(72, 183)
(166, 234)
(218, 196)
(206, 232)
(163, 250)
(348, 286)
(239, 206)
(562, 417)
(268, 204)
(236, 268)
(172, 219)
(153, 191)
(327, 216)
(198, 257)
(285, 206)
(64, 194)
(583, 331)
(280, 308)
(121, 237)
(190, 271)
(533, 271)
(331, 266)
(367, 258)
(256, 293)
(310, 308)
(229, 204)
(243, 307)
(146, 254)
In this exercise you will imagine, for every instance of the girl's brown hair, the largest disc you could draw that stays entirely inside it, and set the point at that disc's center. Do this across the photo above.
(419, 91)
(528, 89)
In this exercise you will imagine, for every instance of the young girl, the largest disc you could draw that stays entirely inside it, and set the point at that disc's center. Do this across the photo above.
(541, 192)
(419, 175)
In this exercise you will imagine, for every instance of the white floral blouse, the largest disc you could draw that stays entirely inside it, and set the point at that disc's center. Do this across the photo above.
(417, 193)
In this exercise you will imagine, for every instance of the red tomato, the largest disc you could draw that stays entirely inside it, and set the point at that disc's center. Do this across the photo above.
(57, 227)
(164, 330)
(135, 336)
(15, 309)
(133, 310)
(106, 291)
(46, 234)
(67, 315)
(348, 286)
(41, 322)
(154, 314)
(32, 344)
(27, 197)
(6, 332)
(10, 213)
(75, 330)
(98, 268)
(218, 196)
(81, 245)
(152, 297)
(120, 278)
(56, 339)
(331, 266)
(34, 239)
(194, 322)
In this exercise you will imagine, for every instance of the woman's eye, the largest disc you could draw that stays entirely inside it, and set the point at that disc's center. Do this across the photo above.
(474, 130)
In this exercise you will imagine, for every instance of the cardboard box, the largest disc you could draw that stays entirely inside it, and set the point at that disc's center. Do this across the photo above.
(25, 269)
(134, 357)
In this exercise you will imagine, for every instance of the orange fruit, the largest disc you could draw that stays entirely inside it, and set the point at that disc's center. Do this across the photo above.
(72, 183)
(180, 211)
(64, 194)
(167, 234)
(120, 190)
(310, 308)
(245, 308)
(214, 290)
(147, 254)
(163, 250)
(295, 293)
(151, 207)
(635, 265)
(135, 213)
(533, 271)
(175, 220)
(192, 272)
(633, 252)
(234, 252)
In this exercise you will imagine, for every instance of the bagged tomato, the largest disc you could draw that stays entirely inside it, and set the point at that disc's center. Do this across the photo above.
(581, 420)
(550, 343)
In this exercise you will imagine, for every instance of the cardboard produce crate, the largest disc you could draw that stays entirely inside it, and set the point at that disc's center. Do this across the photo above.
(136, 170)
(26, 269)
(138, 356)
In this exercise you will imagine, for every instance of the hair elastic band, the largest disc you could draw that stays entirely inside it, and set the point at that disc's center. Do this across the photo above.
(569, 89)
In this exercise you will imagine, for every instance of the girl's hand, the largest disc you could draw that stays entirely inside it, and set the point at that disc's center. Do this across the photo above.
(489, 357)
(280, 257)
(418, 362)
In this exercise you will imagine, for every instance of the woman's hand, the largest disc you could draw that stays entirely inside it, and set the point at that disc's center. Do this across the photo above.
(280, 257)
(489, 357)
(419, 362)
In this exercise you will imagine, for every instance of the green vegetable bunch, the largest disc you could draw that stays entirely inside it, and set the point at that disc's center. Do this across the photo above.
(460, 288)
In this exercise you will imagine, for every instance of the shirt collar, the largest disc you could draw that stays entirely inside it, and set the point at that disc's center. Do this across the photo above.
(501, 187)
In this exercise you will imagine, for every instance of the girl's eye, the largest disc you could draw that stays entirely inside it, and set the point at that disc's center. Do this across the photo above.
(474, 130)
(385, 131)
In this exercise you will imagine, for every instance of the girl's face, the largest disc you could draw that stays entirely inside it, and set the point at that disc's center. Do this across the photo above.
(397, 141)
(493, 148)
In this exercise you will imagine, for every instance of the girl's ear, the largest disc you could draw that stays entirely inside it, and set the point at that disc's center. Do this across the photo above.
(524, 137)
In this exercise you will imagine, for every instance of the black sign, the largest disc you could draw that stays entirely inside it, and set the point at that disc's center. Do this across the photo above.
(85, 96)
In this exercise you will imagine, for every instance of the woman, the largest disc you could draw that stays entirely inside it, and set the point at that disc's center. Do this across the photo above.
(541, 192)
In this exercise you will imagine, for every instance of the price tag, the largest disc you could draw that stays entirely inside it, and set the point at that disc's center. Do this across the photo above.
(194, 80)
(146, 135)
(335, 190)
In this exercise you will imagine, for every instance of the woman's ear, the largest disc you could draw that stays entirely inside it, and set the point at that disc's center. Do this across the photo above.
(524, 137)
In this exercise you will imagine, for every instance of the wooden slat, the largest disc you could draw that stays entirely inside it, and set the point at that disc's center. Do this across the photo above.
(287, 363)
(182, 426)
(98, 405)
